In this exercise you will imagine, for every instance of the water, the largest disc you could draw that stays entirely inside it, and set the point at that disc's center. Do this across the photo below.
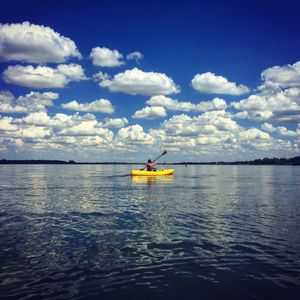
(93, 232)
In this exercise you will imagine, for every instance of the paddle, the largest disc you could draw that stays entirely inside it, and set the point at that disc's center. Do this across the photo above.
(165, 152)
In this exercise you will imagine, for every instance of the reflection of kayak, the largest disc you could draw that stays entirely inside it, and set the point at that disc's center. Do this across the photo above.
(152, 173)
(152, 179)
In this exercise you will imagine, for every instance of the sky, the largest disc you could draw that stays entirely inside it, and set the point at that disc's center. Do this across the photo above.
(95, 81)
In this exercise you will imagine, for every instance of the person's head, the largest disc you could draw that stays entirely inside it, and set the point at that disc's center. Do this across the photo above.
(149, 161)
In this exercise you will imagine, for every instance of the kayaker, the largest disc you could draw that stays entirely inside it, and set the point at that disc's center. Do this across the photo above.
(150, 165)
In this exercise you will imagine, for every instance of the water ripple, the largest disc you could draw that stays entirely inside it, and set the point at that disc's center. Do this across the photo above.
(214, 234)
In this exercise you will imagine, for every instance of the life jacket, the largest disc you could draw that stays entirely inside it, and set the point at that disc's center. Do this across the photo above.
(150, 166)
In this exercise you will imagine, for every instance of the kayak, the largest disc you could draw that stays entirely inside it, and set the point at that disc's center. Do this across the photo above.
(152, 173)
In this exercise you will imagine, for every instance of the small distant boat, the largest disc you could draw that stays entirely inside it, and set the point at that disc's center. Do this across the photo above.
(152, 173)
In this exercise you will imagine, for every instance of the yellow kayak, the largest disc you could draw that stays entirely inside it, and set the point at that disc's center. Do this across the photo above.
(152, 173)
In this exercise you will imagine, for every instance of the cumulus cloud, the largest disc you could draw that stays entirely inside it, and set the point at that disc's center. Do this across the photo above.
(209, 132)
(136, 55)
(215, 104)
(6, 97)
(6, 124)
(135, 82)
(34, 44)
(115, 122)
(100, 76)
(253, 134)
(33, 101)
(13, 130)
(278, 98)
(36, 118)
(43, 131)
(175, 105)
(283, 105)
(33, 132)
(214, 132)
(104, 57)
(87, 128)
(212, 84)
(43, 77)
(57, 122)
(281, 77)
(268, 127)
(255, 115)
(12, 109)
(133, 134)
(186, 125)
(150, 113)
(101, 105)
(281, 130)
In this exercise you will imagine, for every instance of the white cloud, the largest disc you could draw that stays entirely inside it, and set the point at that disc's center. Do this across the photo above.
(268, 127)
(57, 122)
(253, 134)
(281, 130)
(58, 125)
(86, 128)
(63, 132)
(33, 132)
(15, 130)
(254, 115)
(105, 57)
(34, 101)
(175, 105)
(6, 97)
(101, 105)
(183, 125)
(135, 82)
(43, 77)
(215, 104)
(115, 123)
(36, 118)
(37, 100)
(281, 77)
(150, 113)
(212, 84)
(34, 44)
(281, 105)
(278, 98)
(133, 134)
(242, 115)
(100, 76)
(6, 124)
(169, 103)
(136, 55)
(212, 132)
(285, 132)
(12, 108)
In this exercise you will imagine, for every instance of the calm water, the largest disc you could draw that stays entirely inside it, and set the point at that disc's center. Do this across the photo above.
(208, 232)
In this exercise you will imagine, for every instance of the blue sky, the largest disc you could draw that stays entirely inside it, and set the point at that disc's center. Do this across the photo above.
(123, 81)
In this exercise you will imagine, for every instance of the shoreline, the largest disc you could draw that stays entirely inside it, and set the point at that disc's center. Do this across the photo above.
(266, 161)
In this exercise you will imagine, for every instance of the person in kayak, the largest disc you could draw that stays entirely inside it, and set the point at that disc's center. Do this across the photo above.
(150, 165)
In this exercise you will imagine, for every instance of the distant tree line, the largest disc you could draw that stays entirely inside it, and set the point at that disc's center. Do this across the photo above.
(264, 161)
(59, 162)
(37, 161)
